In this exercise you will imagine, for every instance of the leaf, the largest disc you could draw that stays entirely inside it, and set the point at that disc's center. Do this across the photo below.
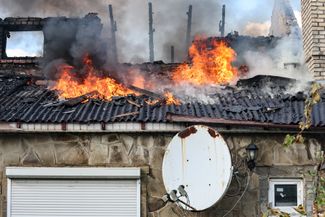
(275, 212)
(284, 214)
(315, 87)
(266, 214)
(316, 98)
(308, 125)
(299, 139)
(312, 173)
(300, 209)
(289, 140)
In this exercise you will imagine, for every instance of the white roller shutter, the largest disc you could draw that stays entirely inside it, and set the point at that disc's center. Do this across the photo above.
(30, 197)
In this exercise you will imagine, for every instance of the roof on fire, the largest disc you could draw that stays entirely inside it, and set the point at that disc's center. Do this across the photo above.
(22, 101)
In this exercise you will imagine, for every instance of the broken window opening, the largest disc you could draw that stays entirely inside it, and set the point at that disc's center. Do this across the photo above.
(25, 44)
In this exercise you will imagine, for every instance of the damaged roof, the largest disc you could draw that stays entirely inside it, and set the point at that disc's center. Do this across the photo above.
(23, 101)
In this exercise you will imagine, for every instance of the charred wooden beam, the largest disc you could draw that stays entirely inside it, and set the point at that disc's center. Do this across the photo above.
(113, 33)
(146, 92)
(222, 23)
(172, 54)
(189, 28)
(79, 99)
(151, 32)
(72, 101)
(126, 114)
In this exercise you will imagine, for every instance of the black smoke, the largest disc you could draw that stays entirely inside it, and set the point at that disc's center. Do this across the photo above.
(69, 40)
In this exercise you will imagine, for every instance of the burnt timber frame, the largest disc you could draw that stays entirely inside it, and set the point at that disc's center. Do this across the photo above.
(20, 24)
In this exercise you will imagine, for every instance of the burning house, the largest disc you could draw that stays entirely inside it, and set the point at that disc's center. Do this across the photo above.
(80, 136)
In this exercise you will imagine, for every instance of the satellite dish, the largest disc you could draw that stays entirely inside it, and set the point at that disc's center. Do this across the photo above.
(199, 159)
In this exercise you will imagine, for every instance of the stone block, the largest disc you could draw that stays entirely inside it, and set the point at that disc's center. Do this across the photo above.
(98, 154)
(140, 156)
(59, 138)
(71, 154)
(173, 211)
(45, 153)
(249, 204)
(117, 155)
(155, 187)
(110, 138)
(128, 142)
(146, 141)
(161, 141)
(30, 157)
(156, 156)
(155, 204)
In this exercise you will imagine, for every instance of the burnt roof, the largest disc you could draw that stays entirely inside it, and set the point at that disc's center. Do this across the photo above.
(23, 101)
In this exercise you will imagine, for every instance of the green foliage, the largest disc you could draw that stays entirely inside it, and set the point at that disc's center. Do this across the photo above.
(319, 189)
(313, 99)
(289, 140)
(320, 198)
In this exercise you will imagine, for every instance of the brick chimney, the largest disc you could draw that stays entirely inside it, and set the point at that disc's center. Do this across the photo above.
(313, 25)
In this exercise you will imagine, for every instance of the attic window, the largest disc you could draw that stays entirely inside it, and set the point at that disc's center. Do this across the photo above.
(25, 44)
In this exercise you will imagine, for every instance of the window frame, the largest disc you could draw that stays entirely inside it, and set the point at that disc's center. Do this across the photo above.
(291, 181)
(8, 41)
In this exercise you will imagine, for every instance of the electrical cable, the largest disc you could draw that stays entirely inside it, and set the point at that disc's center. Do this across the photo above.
(237, 176)
(239, 187)
(246, 187)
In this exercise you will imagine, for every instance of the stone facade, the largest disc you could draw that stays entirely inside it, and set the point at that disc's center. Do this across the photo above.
(146, 150)
(313, 22)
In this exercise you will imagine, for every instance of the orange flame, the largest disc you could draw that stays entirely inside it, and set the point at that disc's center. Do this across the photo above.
(69, 87)
(210, 64)
(152, 102)
(170, 99)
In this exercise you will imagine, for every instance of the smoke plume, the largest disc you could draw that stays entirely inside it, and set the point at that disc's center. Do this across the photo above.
(170, 21)
(69, 40)
(257, 29)
(288, 50)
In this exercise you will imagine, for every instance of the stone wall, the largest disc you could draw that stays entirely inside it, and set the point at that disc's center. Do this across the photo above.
(146, 150)
(313, 22)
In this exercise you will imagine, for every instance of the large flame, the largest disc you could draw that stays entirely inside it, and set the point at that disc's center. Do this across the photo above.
(69, 86)
(211, 64)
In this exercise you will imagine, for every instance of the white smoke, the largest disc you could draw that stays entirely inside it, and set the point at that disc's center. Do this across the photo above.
(287, 53)
(257, 29)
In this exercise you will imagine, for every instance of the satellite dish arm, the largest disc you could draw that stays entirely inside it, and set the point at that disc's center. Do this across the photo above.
(189, 206)
(172, 197)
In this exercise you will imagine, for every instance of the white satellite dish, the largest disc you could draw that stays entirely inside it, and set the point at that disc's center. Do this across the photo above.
(199, 159)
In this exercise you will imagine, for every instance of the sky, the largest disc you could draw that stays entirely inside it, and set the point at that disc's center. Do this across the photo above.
(248, 17)
(254, 11)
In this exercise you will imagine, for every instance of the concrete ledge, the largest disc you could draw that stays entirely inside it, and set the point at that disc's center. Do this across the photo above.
(75, 173)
